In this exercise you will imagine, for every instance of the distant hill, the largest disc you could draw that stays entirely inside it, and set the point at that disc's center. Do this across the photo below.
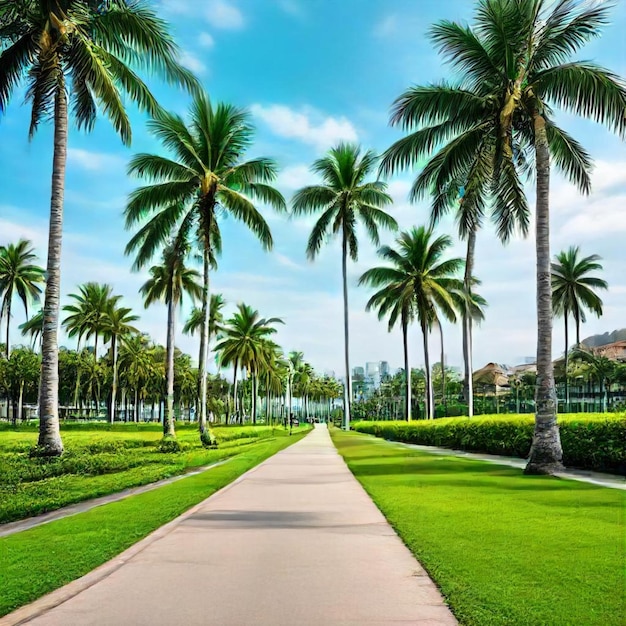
(595, 341)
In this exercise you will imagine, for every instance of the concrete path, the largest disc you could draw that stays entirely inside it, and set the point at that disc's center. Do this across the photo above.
(613, 481)
(10, 528)
(295, 541)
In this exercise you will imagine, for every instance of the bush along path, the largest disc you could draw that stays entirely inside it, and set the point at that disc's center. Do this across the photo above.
(590, 441)
(37, 561)
(504, 548)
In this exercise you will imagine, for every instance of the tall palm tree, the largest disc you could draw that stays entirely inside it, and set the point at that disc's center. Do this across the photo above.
(19, 274)
(207, 176)
(137, 366)
(573, 292)
(396, 300)
(168, 282)
(520, 52)
(84, 54)
(418, 270)
(295, 359)
(242, 345)
(345, 199)
(118, 324)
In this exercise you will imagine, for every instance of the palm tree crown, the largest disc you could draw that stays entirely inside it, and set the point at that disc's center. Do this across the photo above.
(19, 274)
(573, 290)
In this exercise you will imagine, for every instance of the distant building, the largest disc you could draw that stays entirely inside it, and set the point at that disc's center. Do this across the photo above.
(358, 372)
(383, 368)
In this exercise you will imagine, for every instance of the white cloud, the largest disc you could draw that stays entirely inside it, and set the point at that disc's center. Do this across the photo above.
(94, 161)
(292, 7)
(192, 62)
(285, 261)
(308, 125)
(223, 14)
(294, 177)
(206, 40)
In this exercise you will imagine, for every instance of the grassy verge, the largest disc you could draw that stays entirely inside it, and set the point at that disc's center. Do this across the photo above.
(37, 561)
(590, 441)
(99, 462)
(505, 549)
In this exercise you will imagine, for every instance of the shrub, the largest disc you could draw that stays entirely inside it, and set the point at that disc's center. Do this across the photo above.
(595, 442)
(169, 445)
(208, 440)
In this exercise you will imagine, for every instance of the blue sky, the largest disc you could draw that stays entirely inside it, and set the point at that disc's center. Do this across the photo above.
(313, 72)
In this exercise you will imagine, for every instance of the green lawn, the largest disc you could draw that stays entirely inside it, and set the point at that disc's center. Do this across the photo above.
(503, 547)
(98, 462)
(37, 561)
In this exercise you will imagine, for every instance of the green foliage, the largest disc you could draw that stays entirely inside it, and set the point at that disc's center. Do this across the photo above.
(505, 549)
(170, 445)
(590, 441)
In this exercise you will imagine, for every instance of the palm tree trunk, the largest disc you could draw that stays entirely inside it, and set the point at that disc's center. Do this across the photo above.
(253, 381)
(565, 315)
(429, 385)
(577, 329)
(49, 443)
(114, 383)
(407, 369)
(443, 373)
(8, 346)
(344, 272)
(20, 402)
(204, 340)
(235, 388)
(168, 422)
(546, 452)
(468, 383)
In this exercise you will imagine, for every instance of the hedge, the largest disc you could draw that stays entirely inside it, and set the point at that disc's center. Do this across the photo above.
(590, 441)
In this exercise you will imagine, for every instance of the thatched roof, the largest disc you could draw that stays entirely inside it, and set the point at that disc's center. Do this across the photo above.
(492, 374)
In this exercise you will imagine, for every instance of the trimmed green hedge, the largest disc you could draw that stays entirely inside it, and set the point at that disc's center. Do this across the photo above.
(590, 441)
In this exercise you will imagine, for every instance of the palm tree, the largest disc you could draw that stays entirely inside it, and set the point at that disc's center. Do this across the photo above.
(88, 315)
(418, 271)
(344, 200)
(118, 324)
(137, 366)
(242, 345)
(206, 177)
(168, 282)
(18, 274)
(295, 359)
(603, 369)
(396, 300)
(78, 52)
(573, 292)
(519, 54)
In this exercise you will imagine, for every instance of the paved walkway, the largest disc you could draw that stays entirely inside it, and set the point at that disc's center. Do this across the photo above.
(294, 542)
(10, 528)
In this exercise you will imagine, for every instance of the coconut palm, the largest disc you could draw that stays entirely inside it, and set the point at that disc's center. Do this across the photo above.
(241, 345)
(418, 270)
(88, 313)
(168, 282)
(19, 274)
(600, 368)
(118, 324)
(83, 54)
(207, 176)
(520, 53)
(345, 199)
(573, 291)
(137, 367)
(295, 359)
(396, 301)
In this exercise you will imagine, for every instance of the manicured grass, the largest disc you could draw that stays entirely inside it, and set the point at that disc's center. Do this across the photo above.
(503, 547)
(98, 462)
(37, 561)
